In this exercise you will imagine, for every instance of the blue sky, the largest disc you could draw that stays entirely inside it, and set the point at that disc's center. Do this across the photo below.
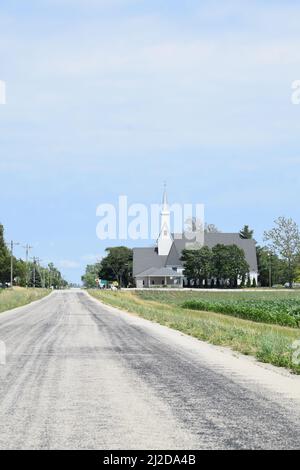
(109, 97)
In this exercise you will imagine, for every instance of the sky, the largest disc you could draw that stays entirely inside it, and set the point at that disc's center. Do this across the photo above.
(114, 97)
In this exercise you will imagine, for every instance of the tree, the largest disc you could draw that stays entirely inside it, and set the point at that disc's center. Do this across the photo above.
(37, 275)
(197, 264)
(246, 233)
(271, 268)
(35, 279)
(20, 270)
(219, 263)
(237, 264)
(54, 278)
(117, 265)
(229, 264)
(284, 240)
(92, 272)
(4, 259)
(211, 228)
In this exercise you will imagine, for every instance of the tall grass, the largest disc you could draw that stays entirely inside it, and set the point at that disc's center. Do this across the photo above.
(18, 296)
(268, 343)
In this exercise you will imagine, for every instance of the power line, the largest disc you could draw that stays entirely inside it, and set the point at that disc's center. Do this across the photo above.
(12, 245)
(27, 247)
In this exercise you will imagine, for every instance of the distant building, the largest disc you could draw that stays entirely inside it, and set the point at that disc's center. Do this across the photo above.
(161, 265)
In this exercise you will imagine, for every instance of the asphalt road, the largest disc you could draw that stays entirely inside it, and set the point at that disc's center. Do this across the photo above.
(79, 375)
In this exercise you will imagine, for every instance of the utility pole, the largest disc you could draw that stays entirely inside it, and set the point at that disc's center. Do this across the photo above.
(270, 269)
(27, 248)
(12, 244)
(36, 262)
(42, 275)
(34, 259)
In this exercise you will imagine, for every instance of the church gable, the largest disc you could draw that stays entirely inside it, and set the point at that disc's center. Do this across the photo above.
(173, 258)
(145, 258)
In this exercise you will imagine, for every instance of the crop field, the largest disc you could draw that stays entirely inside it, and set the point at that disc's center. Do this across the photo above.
(281, 308)
(268, 341)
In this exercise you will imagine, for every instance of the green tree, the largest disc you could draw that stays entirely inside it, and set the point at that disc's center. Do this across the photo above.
(237, 264)
(35, 276)
(92, 272)
(219, 263)
(4, 259)
(229, 264)
(297, 271)
(270, 267)
(117, 265)
(284, 240)
(197, 264)
(54, 278)
(246, 233)
(20, 270)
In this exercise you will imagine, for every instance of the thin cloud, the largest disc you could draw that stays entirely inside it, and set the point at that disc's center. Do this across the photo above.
(68, 264)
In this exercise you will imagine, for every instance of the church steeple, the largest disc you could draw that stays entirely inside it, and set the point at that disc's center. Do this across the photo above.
(165, 239)
(165, 205)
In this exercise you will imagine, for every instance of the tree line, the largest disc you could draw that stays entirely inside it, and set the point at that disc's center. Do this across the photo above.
(115, 266)
(223, 265)
(30, 273)
(278, 261)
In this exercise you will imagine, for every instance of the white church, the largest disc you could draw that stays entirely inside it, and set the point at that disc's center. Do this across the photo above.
(160, 265)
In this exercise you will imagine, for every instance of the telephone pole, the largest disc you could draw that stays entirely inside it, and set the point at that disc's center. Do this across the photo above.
(12, 244)
(270, 268)
(27, 248)
(41, 274)
(36, 261)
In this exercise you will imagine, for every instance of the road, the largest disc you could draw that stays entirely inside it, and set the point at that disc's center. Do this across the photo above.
(80, 375)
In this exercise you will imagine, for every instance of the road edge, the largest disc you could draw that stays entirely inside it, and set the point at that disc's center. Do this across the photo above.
(282, 371)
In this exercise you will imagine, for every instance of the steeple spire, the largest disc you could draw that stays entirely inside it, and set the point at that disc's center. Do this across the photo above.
(165, 239)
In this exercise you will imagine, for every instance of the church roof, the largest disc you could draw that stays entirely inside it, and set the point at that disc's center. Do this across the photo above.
(146, 258)
(212, 239)
(159, 272)
(173, 258)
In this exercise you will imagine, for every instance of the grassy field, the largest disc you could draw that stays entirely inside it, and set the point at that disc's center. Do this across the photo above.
(281, 308)
(178, 297)
(18, 296)
(268, 343)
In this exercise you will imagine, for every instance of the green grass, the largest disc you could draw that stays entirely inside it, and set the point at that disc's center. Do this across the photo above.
(281, 308)
(18, 296)
(268, 343)
(178, 297)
